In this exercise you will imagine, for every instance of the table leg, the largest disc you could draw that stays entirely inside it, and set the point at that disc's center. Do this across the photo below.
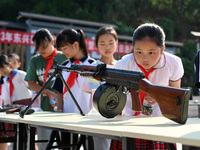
(170, 146)
(128, 144)
(199, 111)
(31, 138)
(21, 137)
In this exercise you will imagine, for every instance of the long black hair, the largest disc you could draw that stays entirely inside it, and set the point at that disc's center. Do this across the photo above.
(69, 36)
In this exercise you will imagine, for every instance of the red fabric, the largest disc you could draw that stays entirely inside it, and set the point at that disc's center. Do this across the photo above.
(23, 101)
(150, 145)
(71, 79)
(141, 144)
(116, 145)
(7, 130)
(11, 88)
(142, 94)
(49, 64)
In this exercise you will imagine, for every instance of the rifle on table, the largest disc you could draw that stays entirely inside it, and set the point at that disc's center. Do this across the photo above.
(110, 98)
(10, 109)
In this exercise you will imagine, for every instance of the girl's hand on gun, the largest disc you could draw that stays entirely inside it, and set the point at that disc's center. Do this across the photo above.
(150, 100)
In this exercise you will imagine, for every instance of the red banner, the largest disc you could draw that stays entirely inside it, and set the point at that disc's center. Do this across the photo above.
(25, 38)
(16, 37)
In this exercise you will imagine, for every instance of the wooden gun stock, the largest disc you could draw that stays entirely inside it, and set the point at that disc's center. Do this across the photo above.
(136, 102)
(13, 110)
(173, 102)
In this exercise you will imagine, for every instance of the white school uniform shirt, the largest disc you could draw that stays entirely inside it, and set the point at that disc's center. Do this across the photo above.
(20, 91)
(169, 68)
(82, 98)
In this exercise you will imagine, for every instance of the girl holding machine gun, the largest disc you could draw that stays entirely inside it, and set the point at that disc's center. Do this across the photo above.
(159, 67)
(73, 45)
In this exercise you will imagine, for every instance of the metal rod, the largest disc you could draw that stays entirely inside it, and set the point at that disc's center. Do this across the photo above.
(36, 96)
(58, 70)
(81, 112)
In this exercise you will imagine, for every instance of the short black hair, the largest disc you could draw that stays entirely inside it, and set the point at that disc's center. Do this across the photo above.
(14, 55)
(3, 60)
(41, 37)
(105, 30)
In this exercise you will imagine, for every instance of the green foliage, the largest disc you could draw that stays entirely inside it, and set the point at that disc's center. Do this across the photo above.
(168, 27)
(187, 54)
(124, 29)
(10, 8)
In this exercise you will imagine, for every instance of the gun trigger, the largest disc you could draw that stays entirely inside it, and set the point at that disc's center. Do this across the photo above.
(125, 91)
(117, 89)
(178, 100)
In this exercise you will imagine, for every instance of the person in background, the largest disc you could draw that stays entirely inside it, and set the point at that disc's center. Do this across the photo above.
(1, 82)
(14, 60)
(197, 84)
(3, 146)
(14, 89)
(159, 67)
(39, 70)
(197, 70)
(73, 45)
(106, 42)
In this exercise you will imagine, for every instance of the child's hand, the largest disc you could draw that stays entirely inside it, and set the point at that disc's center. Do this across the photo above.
(150, 100)
(50, 94)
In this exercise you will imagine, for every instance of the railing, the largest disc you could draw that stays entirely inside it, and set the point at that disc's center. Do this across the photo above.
(13, 48)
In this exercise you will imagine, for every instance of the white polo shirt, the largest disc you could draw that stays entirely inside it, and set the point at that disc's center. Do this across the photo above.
(20, 91)
(169, 68)
(81, 97)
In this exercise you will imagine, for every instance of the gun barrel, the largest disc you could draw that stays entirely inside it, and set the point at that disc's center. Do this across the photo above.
(83, 68)
(118, 77)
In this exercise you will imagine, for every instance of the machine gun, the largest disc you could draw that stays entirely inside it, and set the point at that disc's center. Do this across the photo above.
(110, 98)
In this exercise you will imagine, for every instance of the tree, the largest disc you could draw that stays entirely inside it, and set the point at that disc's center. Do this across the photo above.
(177, 18)
(187, 54)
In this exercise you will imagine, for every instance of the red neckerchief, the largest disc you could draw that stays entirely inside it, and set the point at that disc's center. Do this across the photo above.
(49, 64)
(71, 79)
(11, 87)
(142, 94)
